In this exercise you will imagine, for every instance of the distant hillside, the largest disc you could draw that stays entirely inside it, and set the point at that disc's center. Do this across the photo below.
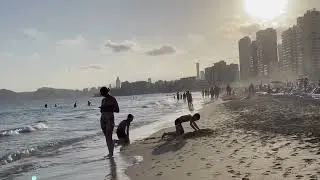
(41, 93)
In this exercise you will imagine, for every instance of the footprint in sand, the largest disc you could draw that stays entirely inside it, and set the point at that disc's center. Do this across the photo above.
(313, 177)
(159, 174)
(189, 173)
(299, 176)
(203, 159)
(294, 154)
(309, 161)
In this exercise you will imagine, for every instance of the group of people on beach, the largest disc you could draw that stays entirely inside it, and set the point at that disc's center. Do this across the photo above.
(186, 96)
(109, 106)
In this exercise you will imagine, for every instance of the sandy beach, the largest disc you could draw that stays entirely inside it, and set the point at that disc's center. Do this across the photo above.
(259, 138)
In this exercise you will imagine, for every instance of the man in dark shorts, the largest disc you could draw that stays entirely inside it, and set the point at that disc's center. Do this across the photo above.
(178, 124)
(123, 130)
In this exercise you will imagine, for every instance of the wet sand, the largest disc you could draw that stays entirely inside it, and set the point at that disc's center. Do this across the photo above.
(258, 138)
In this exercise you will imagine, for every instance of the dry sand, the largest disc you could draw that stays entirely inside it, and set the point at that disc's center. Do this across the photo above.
(258, 138)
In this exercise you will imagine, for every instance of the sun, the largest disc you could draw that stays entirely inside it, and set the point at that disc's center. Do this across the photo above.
(265, 9)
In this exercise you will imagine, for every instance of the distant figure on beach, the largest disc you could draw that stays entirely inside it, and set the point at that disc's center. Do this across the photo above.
(216, 91)
(55, 105)
(178, 96)
(109, 106)
(228, 89)
(75, 105)
(202, 93)
(184, 96)
(251, 90)
(46, 106)
(123, 130)
(189, 99)
(89, 103)
(181, 96)
(178, 124)
(212, 93)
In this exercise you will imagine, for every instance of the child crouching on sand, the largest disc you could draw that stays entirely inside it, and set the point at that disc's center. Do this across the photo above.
(178, 124)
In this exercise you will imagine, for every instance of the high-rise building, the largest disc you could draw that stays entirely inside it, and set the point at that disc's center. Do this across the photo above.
(202, 76)
(245, 57)
(281, 58)
(310, 42)
(254, 59)
(291, 60)
(197, 67)
(118, 83)
(267, 51)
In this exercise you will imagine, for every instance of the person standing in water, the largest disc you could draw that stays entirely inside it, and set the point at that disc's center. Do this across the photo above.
(109, 106)
(46, 106)
(89, 103)
(75, 105)
(178, 96)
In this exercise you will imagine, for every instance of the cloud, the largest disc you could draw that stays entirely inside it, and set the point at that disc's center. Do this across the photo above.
(76, 41)
(33, 33)
(248, 29)
(94, 67)
(120, 47)
(164, 50)
(196, 38)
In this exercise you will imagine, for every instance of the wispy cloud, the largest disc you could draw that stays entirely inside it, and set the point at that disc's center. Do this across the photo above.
(94, 67)
(120, 47)
(76, 41)
(163, 50)
(33, 33)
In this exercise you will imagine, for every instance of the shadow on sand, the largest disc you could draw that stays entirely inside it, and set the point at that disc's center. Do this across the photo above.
(175, 143)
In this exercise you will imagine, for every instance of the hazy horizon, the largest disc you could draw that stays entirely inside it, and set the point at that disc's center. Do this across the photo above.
(78, 44)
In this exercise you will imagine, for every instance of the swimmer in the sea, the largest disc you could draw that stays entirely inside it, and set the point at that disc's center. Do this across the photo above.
(123, 130)
(178, 124)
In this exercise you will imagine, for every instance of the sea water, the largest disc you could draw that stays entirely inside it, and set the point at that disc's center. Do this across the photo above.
(64, 142)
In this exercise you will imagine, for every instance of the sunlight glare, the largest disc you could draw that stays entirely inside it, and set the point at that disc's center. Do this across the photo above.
(265, 9)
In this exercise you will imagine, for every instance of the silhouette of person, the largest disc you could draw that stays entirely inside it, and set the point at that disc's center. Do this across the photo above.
(46, 105)
(178, 96)
(55, 105)
(109, 106)
(75, 105)
(89, 103)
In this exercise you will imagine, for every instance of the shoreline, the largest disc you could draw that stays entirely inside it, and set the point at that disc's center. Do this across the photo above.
(231, 145)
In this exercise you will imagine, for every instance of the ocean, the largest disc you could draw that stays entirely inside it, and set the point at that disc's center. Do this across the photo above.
(64, 142)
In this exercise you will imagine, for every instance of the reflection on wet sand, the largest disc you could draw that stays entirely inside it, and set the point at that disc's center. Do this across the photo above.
(113, 170)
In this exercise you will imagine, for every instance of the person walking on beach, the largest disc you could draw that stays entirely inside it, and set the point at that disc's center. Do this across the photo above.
(109, 106)
(189, 99)
(178, 96)
(123, 130)
(178, 124)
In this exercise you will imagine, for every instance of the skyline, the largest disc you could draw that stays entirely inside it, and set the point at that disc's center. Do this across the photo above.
(78, 44)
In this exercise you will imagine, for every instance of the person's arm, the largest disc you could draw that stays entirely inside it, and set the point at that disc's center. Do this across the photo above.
(116, 106)
(194, 125)
(128, 132)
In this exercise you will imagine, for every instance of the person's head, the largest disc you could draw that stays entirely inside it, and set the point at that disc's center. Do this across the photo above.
(196, 117)
(130, 117)
(104, 91)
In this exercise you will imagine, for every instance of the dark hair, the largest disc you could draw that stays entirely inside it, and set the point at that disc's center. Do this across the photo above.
(130, 116)
(104, 91)
(197, 116)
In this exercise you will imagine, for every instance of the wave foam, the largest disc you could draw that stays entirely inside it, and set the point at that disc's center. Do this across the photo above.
(27, 129)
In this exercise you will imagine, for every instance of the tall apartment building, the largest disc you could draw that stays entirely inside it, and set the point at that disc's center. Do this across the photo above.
(310, 42)
(291, 60)
(254, 59)
(267, 51)
(245, 57)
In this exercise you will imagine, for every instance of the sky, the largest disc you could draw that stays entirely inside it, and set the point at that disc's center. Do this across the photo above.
(76, 44)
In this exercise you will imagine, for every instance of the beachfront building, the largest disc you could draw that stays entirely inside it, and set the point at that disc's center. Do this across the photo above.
(198, 70)
(202, 76)
(254, 59)
(291, 53)
(245, 57)
(118, 83)
(310, 42)
(267, 52)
